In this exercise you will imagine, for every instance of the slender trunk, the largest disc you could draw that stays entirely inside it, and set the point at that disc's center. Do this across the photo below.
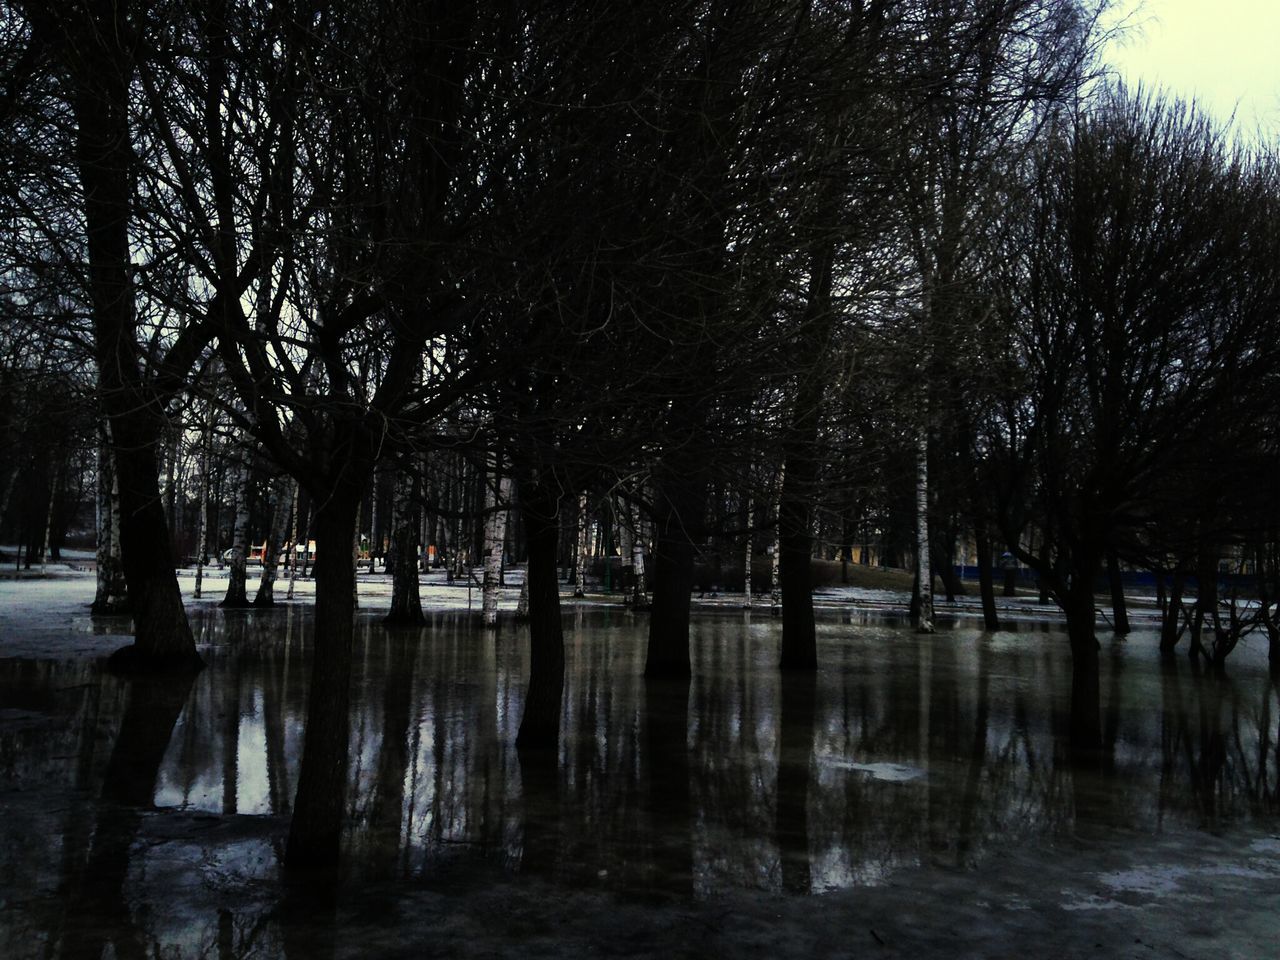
(775, 549)
(540, 725)
(626, 540)
(1171, 621)
(280, 509)
(316, 827)
(1120, 613)
(746, 559)
(580, 564)
(202, 544)
(48, 524)
(237, 594)
(986, 584)
(406, 600)
(293, 541)
(922, 616)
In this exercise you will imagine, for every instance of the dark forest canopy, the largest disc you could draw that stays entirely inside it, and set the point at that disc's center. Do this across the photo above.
(906, 276)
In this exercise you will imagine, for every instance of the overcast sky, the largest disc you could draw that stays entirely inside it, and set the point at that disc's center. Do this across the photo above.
(1225, 53)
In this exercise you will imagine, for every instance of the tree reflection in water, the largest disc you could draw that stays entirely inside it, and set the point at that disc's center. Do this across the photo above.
(902, 750)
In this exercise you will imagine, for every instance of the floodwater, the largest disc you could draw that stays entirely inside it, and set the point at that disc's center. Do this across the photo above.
(144, 818)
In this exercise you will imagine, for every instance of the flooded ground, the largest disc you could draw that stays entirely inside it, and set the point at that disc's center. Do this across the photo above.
(917, 798)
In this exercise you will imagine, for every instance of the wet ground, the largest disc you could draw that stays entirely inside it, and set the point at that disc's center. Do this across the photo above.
(917, 798)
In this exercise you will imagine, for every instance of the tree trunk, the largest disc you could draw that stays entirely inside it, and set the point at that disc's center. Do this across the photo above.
(1171, 621)
(316, 827)
(796, 730)
(237, 594)
(580, 563)
(986, 584)
(1086, 697)
(922, 612)
(495, 539)
(746, 559)
(795, 542)
(406, 598)
(112, 594)
(280, 509)
(1120, 613)
(678, 506)
(639, 585)
(293, 541)
(101, 74)
(540, 725)
(202, 539)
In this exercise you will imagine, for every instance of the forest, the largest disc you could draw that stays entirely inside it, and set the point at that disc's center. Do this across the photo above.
(684, 296)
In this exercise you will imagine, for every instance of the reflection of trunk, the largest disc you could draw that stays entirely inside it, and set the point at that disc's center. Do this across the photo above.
(98, 912)
(387, 809)
(1120, 613)
(540, 799)
(795, 749)
(666, 757)
(406, 601)
(112, 594)
(231, 740)
(540, 725)
(678, 508)
(316, 827)
(986, 585)
(237, 595)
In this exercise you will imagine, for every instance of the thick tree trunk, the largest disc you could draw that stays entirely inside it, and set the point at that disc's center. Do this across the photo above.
(540, 725)
(237, 593)
(101, 73)
(679, 508)
(986, 580)
(1086, 697)
(316, 827)
(1120, 612)
(406, 598)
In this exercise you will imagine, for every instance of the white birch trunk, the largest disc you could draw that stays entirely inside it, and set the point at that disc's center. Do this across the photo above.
(746, 560)
(924, 576)
(48, 525)
(626, 543)
(579, 574)
(374, 540)
(293, 543)
(236, 595)
(495, 535)
(202, 540)
(271, 549)
(775, 555)
(639, 591)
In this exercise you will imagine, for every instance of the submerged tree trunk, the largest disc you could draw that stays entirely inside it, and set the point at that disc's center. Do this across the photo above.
(678, 508)
(540, 725)
(112, 593)
(1086, 696)
(316, 827)
(237, 593)
(986, 580)
(795, 542)
(406, 598)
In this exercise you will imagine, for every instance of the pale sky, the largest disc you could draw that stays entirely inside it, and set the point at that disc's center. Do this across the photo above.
(1224, 53)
